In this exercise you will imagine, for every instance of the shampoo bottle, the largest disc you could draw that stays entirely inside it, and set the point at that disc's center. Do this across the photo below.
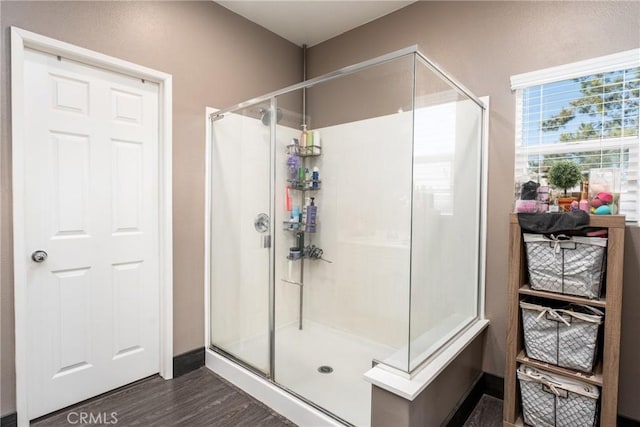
(312, 216)
(287, 199)
(307, 202)
(303, 140)
(310, 142)
(293, 163)
(301, 177)
(295, 214)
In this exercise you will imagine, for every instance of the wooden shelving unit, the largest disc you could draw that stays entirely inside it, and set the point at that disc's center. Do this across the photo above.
(606, 373)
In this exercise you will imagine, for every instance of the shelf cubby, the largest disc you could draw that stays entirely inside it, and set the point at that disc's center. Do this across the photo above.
(307, 151)
(600, 302)
(594, 378)
(306, 185)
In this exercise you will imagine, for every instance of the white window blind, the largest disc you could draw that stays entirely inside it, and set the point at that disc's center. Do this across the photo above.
(592, 119)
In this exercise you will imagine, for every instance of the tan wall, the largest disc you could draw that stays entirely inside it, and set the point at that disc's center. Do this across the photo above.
(216, 58)
(482, 44)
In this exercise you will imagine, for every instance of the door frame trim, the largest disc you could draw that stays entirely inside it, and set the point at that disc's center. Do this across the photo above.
(20, 40)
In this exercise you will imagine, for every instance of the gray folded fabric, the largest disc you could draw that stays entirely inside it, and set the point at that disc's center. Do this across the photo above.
(545, 223)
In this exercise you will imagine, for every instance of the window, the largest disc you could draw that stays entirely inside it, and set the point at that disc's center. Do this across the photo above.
(588, 112)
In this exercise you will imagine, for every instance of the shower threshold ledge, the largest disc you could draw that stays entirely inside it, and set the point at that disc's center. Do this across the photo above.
(410, 385)
(298, 411)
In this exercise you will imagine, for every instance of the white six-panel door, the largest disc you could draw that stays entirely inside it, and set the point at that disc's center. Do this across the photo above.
(91, 196)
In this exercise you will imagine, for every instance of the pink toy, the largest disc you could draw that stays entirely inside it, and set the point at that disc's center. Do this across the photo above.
(607, 198)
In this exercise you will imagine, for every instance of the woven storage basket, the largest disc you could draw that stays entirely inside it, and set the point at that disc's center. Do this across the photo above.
(568, 265)
(567, 338)
(550, 400)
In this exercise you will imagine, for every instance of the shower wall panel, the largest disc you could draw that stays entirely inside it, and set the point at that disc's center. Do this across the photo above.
(287, 299)
(365, 219)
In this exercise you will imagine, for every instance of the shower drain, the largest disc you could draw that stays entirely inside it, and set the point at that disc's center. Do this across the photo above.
(325, 369)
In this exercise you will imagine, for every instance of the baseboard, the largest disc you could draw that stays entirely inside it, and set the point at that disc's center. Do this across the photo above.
(187, 362)
(465, 407)
(9, 420)
(493, 385)
(627, 422)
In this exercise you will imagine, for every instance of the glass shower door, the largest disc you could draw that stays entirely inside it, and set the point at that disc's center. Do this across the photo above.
(240, 235)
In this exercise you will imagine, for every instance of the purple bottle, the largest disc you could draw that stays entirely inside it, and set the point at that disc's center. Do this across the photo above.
(293, 163)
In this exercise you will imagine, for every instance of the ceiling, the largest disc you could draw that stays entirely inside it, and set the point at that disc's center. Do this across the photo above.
(312, 22)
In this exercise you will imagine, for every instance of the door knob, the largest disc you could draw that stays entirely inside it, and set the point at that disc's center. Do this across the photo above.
(39, 256)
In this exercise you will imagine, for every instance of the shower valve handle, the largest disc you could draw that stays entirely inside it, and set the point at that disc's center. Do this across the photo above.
(261, 223)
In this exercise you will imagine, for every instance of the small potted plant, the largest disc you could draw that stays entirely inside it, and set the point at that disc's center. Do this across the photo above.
(564, 174)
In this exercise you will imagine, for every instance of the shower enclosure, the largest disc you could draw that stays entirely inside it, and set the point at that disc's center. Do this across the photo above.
(389, 270)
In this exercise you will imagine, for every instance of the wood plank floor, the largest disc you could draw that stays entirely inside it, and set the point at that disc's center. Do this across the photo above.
(201, 399)
(487, 413)
(197, 399)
